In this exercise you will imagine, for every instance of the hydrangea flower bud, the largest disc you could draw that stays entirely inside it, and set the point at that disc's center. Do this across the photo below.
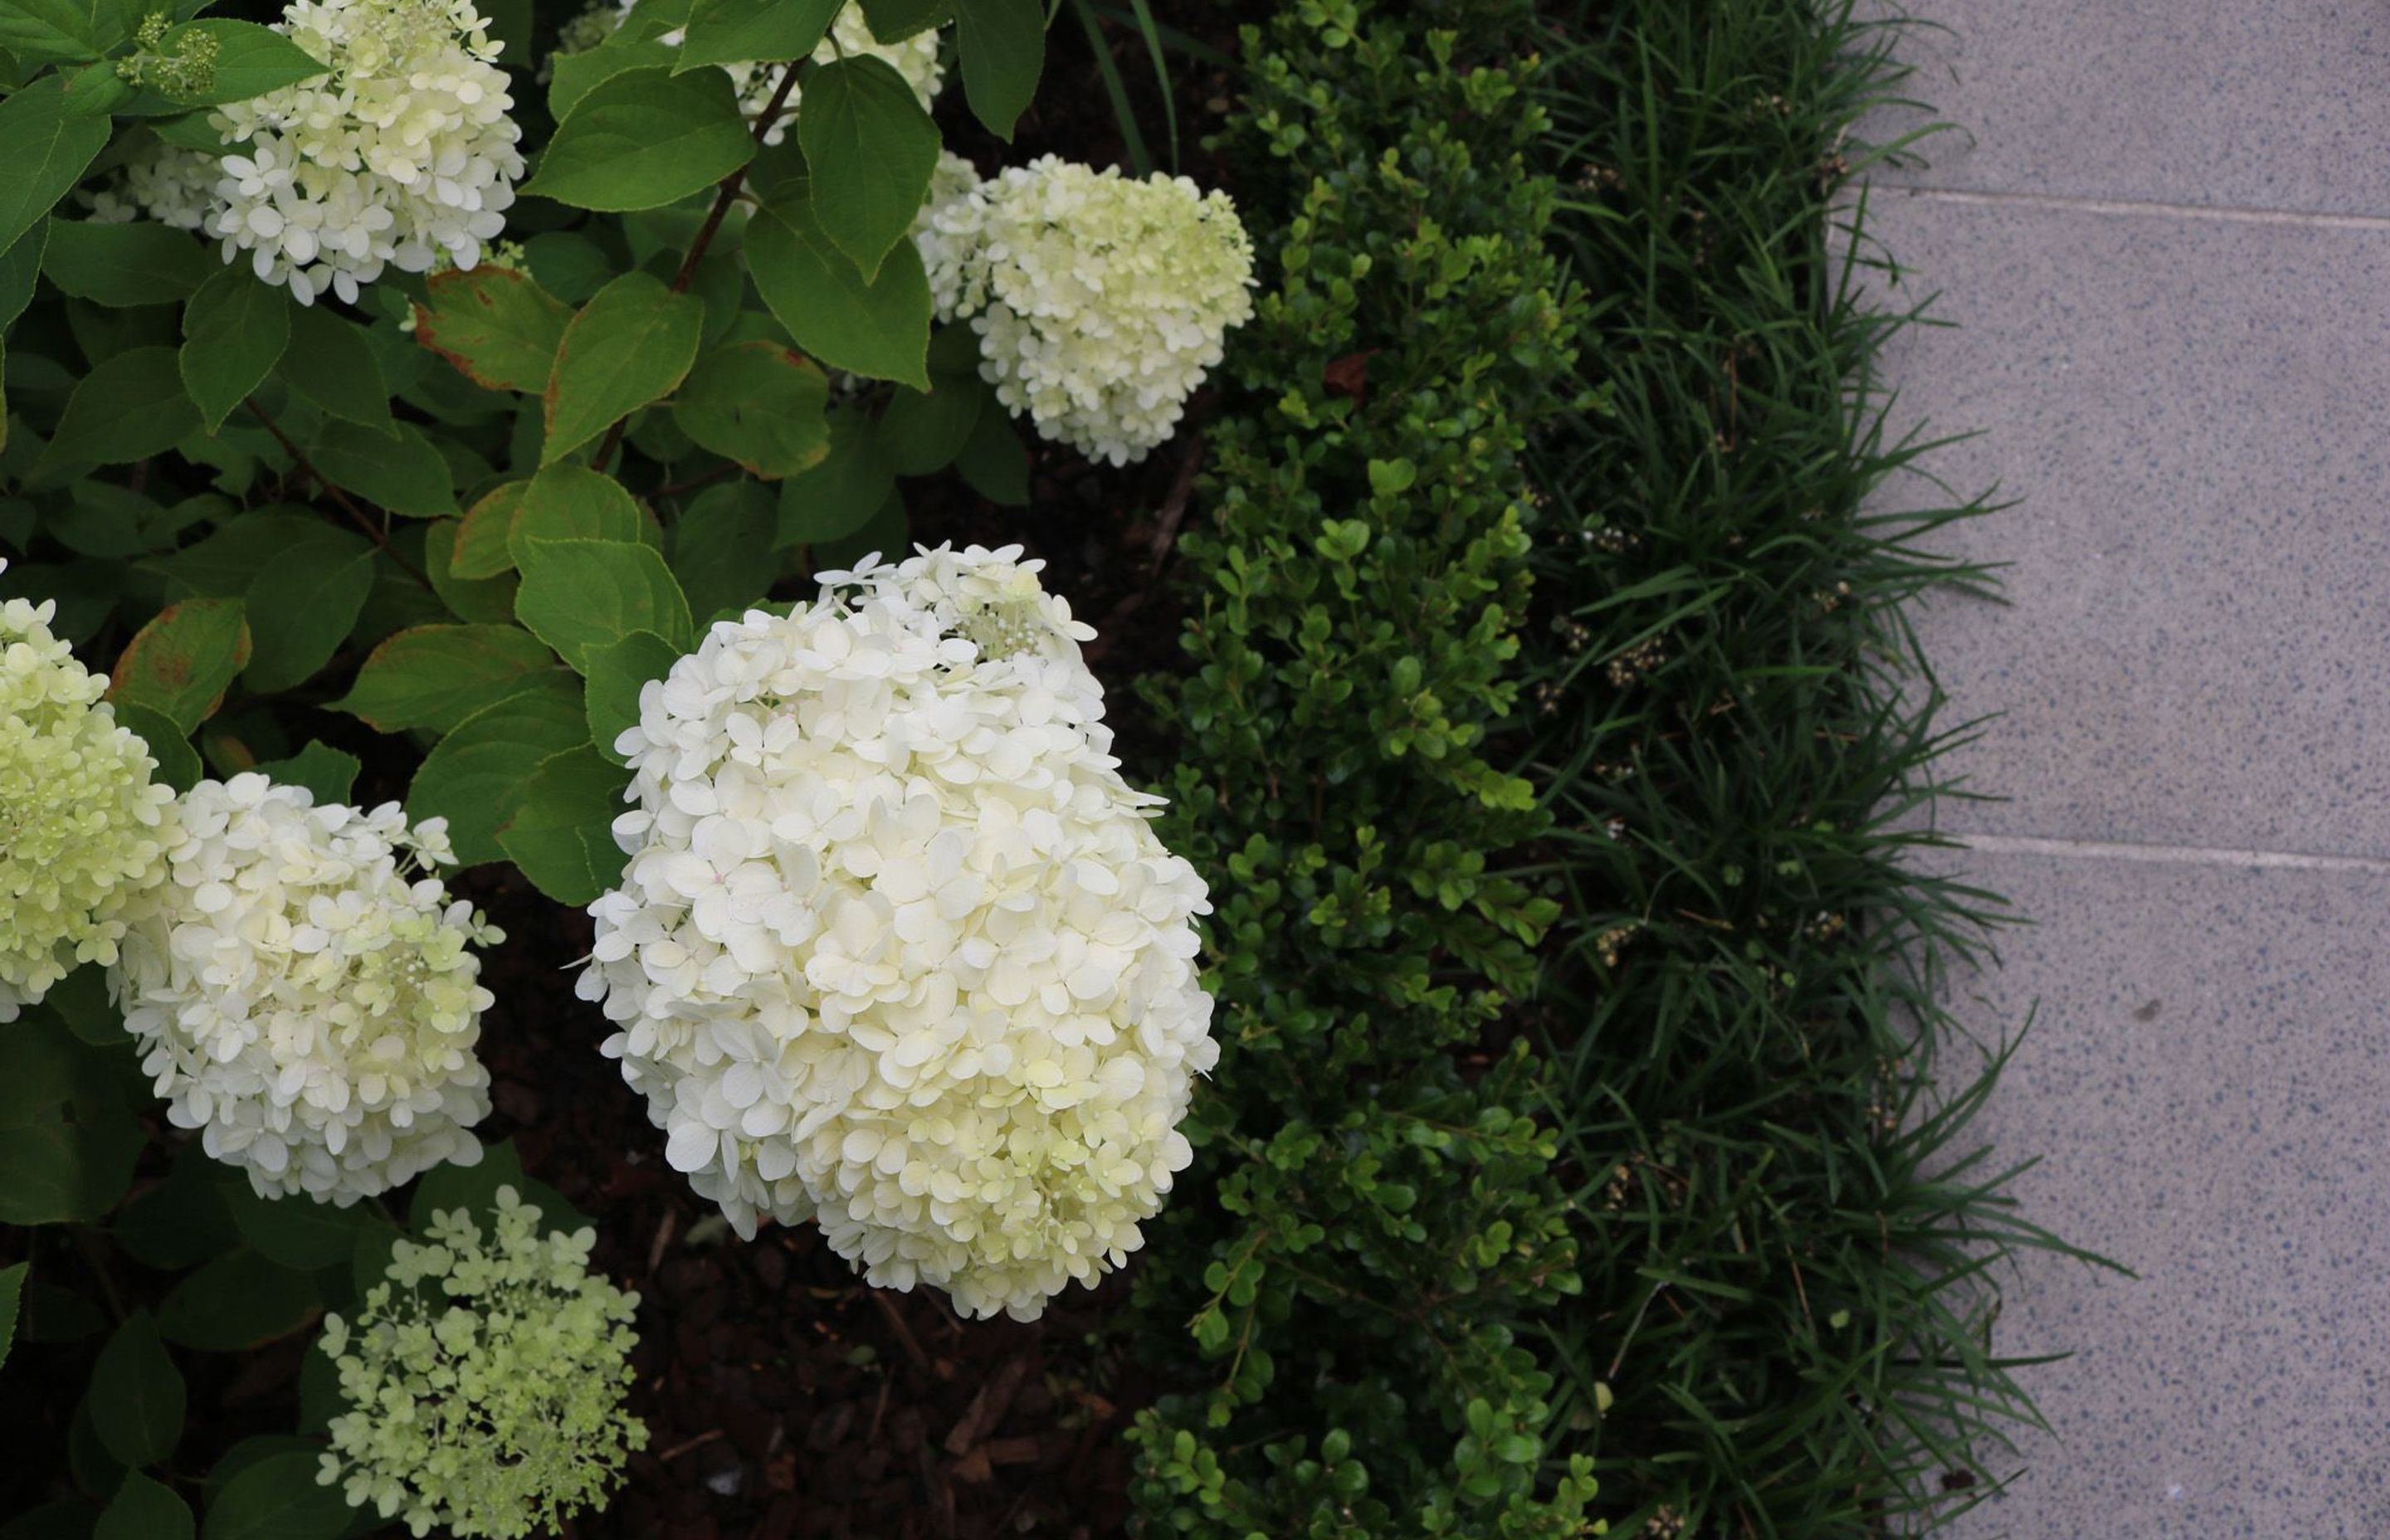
(83, 827)
(896, 947)
(486, 1379)
(1101, 302)
(305, 993)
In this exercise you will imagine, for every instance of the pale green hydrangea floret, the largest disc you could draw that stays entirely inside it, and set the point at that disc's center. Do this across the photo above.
(83, 827)
(486, 1379)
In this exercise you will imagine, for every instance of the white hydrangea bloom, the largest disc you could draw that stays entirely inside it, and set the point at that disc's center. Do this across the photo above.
(159, 181)
(1101, 302)
(897, 947)
(402, 153)
(850, 36)
(304, 994)
(83, 827)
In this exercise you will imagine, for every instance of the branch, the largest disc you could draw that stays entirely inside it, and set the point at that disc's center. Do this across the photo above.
(705, 233)
(356, 515)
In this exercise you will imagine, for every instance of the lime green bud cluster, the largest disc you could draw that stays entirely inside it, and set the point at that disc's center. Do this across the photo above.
(485, 1381)
(179, 72)
(82, 827)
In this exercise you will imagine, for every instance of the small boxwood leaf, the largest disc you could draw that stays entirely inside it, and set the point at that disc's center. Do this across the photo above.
(562, 835)
(234, 332)
(630, 345)
(435, 676)
(143, 263)
(757, 403)
(136, 1395)
(496, 325)
(579, 593)
(644, 138)
(180, 664)
(472, 777)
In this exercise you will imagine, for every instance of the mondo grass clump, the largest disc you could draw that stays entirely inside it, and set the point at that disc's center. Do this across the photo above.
(1787, 1236)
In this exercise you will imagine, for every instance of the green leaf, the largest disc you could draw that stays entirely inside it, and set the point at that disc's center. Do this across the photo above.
(238, 1302)
(328, 775)
(923, 433)
(20, 264)
(278, 1498)
(435, 676)
(182, 1221)
(80, 1001)
(122, 266)
(404, 474)
(250, 62)
(473, 775)
(482, 601)
(878, 327)
(618, 671)
(178, 763)
(234, 332)
(296, 1233)
(61, 1171)
(301, 608)
(481, 550)
(995, 461)
(631, 343)
(331, 363)
(838, 496)
(66, 31)
(720, 548)
(129, 407)
(145, 1509)
(180, 664)
(576, 594)
(578, 74)
(644, 138)
(732, 32)
(886, 531)
(136, 1395)
(12, 1290)
(562, 835)
(48, 152)
(757, 403)
(870, 148)
(495, 325)
(573, 502)
(1002, 48)
(894, 20)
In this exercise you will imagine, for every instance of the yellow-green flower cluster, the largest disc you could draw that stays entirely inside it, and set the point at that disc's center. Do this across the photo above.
(486, 1379)
(83, 827)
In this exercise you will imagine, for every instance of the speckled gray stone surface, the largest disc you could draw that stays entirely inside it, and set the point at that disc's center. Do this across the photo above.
(2278, 104)
(2207, 1084)
(2195, 643)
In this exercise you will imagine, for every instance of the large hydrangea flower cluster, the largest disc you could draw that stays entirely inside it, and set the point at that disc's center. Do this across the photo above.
(1101, 302)
(304, 995)
(83, 827)
(486, 1379)
(897, 947)
(403, 151)
(850, 36)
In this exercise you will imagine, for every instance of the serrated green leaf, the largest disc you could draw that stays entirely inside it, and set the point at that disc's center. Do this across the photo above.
(894, 20)
(479, 601)
(870, 148)
(21, 266)
(577, 594)
(66, 31)
(732, 32)
(48, 152)
(136, 1395)
(178, 763)
(180, 664)
(1003, 47)
(120, 265)
(472, 777)
(129, 406)
(878, 327)
(435, 676)
(481, 538)
(145, 1509)
(573, 502)
(561, 834)
(301, 608)
(840, 495)
(278, 1498)
(328, 775)
(496, 325)
(330, 362)
(722, 548)
(405, 473)
(617, 671)
(757, 403)
(578, 74)
(238, 1302)
(642, 139)
(629, 345)
(234, 332)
